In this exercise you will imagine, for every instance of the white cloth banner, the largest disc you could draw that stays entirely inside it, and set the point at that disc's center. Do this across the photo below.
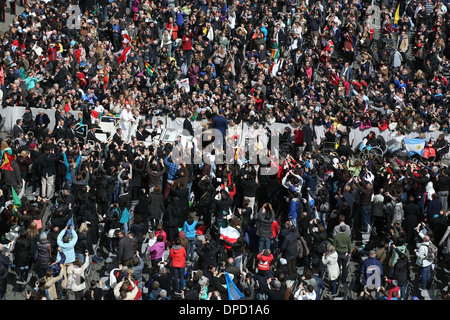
(11, 114)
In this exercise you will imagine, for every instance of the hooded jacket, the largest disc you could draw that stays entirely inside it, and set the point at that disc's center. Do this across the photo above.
(189, 228)
(264, 261)
(178, 256)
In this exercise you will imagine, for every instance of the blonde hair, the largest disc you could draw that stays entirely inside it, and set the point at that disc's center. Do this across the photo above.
(24, 153)
(83, 228)
(331, 248)
(32, 229)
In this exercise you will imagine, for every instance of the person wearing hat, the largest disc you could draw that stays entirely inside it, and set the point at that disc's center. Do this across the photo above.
(372, 271)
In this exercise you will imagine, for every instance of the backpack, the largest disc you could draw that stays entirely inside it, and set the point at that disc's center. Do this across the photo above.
(302, 248)
(431, 253)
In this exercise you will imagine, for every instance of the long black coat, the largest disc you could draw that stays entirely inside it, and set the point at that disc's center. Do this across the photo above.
(289, 245)
(156, 205)
(43, 256)
(4, 261)
(22, 251)
(182, 196)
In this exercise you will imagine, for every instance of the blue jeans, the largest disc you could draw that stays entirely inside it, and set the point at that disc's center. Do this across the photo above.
(425, 273)
(190, 253)
(403, 292)
(294, 221)
(264, 243)
(322, 216)
(178, 277)
(219, 223)
(366, 217)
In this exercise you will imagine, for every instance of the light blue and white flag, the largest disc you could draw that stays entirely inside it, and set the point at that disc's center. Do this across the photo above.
(414, 146)
(233, 292)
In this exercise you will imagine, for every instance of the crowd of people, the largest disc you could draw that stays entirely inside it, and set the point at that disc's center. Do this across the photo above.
(183, 230)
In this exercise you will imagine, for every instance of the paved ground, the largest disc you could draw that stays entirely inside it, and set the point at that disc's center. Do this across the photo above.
(9, 18)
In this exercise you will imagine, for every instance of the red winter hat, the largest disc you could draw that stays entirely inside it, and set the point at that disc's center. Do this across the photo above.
(182, 234)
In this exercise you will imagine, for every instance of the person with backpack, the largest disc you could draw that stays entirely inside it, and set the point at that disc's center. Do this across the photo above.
(425, 256)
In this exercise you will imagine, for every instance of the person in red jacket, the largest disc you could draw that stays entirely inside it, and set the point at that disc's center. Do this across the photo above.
(298, 139)
(187, 45)
(177, 257)
(264, 259)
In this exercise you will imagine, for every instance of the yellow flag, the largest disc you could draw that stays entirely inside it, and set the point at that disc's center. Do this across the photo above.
(397, 14)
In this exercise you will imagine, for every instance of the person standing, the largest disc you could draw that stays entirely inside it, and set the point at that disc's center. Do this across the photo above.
(177, 257)
(308, 136)
(372, 271)
(189, 228)
(67, 245)
(220, 123)
(343, 246)
(125, 251)
(126, 118)
(441, 186)
(401, 271)
(330, 261)
(366, 190)
(12, 3)
(264, 226)
(2, 10)
(423, 263)
(4, 262)
(47, 166)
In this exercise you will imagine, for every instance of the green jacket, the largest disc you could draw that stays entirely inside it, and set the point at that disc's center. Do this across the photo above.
(342, 243)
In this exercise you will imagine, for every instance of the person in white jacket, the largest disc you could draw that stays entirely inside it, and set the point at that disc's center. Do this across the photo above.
(294, 184)
(422, 262)
(122, 291)
(126, 118)
(76, 277)
(330, 261)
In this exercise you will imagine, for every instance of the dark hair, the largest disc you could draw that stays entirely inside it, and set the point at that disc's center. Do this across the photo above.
(307, 273)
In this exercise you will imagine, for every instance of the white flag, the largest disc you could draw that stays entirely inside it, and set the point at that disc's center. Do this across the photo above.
(184, 83)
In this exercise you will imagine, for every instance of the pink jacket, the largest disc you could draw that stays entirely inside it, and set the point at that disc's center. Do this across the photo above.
(157, 250)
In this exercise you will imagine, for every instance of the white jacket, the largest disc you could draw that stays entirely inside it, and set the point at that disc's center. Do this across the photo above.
(75, 273)
(421, 254)
(330, 261)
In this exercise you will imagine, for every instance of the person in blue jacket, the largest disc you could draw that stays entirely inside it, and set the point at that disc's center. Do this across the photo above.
(67, 244)
(372, 271)
(70, 166)
(293, 208)
(189, 229)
